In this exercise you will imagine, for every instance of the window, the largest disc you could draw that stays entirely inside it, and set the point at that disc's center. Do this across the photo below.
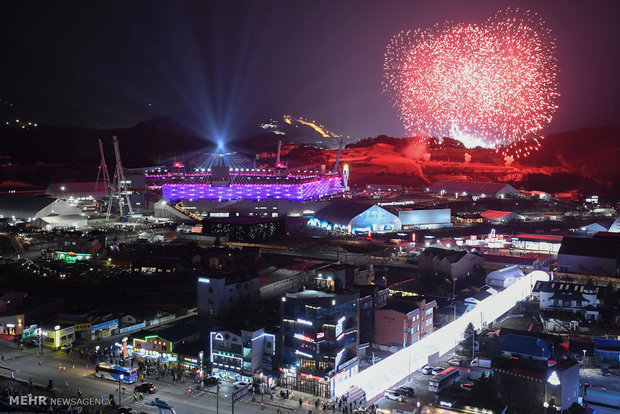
(429, 312)
(211, 312)
(211, 301)
(429, 322)
(210, 290)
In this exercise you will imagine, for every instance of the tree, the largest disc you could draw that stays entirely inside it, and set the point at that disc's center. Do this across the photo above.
(470, 330)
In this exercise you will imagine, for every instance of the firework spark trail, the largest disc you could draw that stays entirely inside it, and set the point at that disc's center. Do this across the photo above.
(493, 85)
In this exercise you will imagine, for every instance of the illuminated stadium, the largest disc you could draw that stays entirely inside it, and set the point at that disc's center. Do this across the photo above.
(223, 182)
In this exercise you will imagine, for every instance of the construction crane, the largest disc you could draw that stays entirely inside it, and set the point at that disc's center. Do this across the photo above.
(119, 186)
(337, 163)
(103, 169)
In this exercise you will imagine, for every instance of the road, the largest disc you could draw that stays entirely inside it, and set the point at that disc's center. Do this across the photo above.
(78, 373)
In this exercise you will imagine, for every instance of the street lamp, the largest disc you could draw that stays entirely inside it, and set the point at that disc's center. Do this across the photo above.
(120, 396)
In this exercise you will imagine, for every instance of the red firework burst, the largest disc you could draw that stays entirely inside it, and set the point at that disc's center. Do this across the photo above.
(490, 85)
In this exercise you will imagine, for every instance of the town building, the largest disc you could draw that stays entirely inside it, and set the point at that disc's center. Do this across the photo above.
(372, 298)
(242, 354)
(355, 217)
(553, 385)
(462, 188)
(403, 322)
(223, 293)
(448, 263)
(337, 277)
(158, 344)
(595, 256)
(543, 243)
(572, 297)
(514, 343)
(425, 219)
(320, 340)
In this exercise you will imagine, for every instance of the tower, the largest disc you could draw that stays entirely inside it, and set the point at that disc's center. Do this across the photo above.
(119, 185)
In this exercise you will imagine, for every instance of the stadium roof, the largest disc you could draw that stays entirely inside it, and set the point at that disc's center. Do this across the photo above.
(495, 214)
(23, 206)
(341, 212)
(470, 187)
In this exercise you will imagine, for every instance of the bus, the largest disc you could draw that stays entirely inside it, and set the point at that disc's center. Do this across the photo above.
(114, 372)
(444, 379)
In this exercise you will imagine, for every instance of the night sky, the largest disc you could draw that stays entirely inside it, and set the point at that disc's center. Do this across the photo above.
(234, 64)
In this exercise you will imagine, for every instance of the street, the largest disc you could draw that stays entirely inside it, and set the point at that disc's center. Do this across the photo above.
(78, 373)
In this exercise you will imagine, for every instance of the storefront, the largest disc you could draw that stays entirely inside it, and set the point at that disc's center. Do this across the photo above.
(57, 337)
(231, 375)
(11, 326)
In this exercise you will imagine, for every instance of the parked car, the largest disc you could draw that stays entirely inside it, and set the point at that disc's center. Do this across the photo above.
(391, 395)
(213, 380)
(605, 372)
(437, 370)
(240, 384)
(456, 362)
(126, 410)
(147, 387)
(406, 391)
(427, 369)
(467, 386)
(66, 347)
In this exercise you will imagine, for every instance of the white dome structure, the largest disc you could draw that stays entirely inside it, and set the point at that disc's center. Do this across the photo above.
(615, 227)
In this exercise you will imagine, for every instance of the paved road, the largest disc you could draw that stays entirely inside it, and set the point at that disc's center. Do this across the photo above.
(78, 373)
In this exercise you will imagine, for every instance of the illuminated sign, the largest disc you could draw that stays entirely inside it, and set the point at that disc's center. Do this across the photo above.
(554, 379)
(204, 280)
(304, 322)
(320, 335)
(339, 326)
(303, 337)
(219, 337)
(298, 352)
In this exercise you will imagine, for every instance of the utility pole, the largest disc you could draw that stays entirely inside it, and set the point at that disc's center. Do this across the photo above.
(453, 298)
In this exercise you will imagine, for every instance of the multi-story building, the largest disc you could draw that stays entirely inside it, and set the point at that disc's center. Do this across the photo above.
(243, 354)
(320, 340)
(372, 297)
(572, 297)
(550, 387)
(403, 322)
(222, 294)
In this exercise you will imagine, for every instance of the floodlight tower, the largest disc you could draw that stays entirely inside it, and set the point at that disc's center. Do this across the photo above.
(119, 186)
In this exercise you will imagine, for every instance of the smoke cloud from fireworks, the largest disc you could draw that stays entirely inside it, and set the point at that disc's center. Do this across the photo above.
(492, 85)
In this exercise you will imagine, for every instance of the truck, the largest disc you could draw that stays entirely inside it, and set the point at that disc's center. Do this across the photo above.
(481, 362)
(475, 373)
